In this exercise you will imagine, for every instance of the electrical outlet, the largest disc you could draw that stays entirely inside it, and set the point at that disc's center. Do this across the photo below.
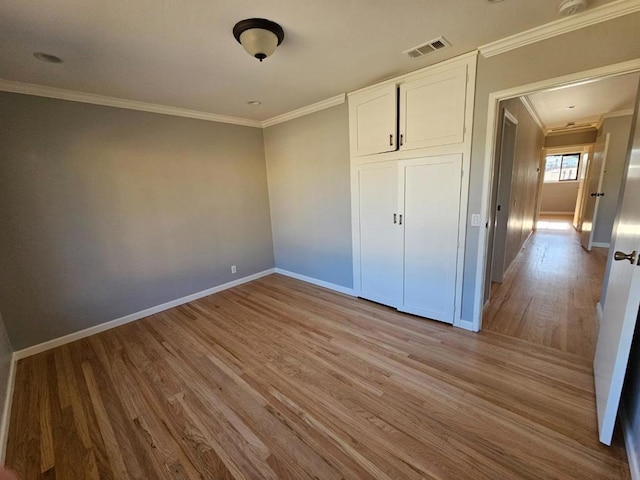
(233, 269)
(475, 220)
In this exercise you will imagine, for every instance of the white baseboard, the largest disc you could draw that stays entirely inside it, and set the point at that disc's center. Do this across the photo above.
(556, 213)
(315, 281)
(630, 445)
(600, 244)
(6, 411)
(72, 337)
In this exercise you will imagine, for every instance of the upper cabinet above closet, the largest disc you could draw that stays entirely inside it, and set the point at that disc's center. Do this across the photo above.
(419, 110)
(374, 121)
(432, 109)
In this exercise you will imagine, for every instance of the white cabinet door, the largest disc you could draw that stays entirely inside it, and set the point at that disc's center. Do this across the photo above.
(431, 194)
(380, 235)
(373, 121)
(432, 109)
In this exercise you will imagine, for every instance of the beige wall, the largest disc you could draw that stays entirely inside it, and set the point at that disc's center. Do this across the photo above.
(308, 171)
(524, 179)
(598, 45)
(620, 129)
(559, 197)
(105, 212)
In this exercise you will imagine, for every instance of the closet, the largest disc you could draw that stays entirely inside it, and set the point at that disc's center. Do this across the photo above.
(409, 148)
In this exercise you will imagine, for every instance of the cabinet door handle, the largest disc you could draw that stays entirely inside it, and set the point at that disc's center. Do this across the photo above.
(391, 140)
(395, 220)
(401, 139)
(400, 219)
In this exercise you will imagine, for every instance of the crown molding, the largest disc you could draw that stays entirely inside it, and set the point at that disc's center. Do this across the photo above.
(300, 112)
(73, 96)
(82, 97)
(461, 59)
(606, 12)
(534, 113)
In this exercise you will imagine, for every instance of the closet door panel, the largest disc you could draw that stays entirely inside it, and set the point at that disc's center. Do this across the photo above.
(374, 121)
(431, 215)
(432, 110)
(380, 239)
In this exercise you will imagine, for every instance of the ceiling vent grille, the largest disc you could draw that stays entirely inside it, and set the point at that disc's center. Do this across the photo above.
(431, 46)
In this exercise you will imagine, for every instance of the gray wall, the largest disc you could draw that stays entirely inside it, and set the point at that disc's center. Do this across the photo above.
(568, 139)
(595, 46)
(620, 129)
(309, 192)
(105, 212)
(559, 197)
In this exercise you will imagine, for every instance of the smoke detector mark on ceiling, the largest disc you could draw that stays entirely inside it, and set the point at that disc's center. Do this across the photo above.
(431, 46)
(571, 7)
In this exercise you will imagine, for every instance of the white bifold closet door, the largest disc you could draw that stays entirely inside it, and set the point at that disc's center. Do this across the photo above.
(430, 191)
(380, 235)
(408, 216)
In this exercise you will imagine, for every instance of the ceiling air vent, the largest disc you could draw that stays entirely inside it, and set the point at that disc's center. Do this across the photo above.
(572, 126)
(431, 46)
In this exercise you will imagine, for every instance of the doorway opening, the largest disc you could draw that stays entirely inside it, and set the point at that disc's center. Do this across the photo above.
(558, 166)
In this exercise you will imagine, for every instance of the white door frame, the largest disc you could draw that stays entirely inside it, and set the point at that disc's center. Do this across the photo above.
(492, 117)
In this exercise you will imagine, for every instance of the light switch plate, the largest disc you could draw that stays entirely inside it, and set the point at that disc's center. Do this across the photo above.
(475, 220)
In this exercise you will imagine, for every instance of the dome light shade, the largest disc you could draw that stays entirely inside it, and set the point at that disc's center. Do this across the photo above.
(258, 36)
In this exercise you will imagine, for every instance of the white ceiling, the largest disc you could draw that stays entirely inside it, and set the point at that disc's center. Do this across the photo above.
(181, 53)
(591, 100)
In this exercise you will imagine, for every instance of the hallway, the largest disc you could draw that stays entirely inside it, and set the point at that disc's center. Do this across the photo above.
(550, 292)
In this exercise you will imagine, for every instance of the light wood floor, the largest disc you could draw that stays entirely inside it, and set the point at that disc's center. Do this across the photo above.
(550, 294)
(282, 379)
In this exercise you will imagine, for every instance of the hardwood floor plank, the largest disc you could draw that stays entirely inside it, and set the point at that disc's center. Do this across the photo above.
(550, 292)
(279, 379)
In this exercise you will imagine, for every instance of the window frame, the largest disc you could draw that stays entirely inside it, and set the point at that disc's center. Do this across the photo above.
(562, 155)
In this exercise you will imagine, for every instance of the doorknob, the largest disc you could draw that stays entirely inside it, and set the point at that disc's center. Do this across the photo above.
(625, 256)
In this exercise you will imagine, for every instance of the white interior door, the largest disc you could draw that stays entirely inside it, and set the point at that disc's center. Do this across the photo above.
(620, 310)
(582, 175)
(431, 193)
(595, 175)
(380, 234)
(503, 197)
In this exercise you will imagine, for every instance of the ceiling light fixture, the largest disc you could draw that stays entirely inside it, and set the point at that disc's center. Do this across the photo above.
(258, 36)
(254, 103)
(47, 57)
(571, 107)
